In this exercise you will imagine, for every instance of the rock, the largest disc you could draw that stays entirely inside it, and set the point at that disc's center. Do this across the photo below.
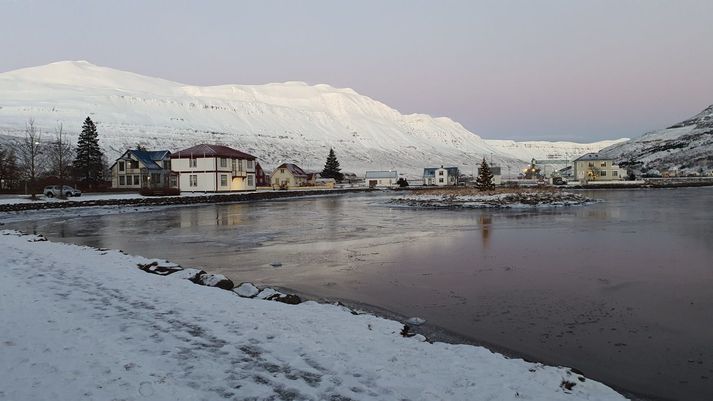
(416, 321)
(215, 280)
(246, 290)
(291, 299)
(160, 268)
(267, 293)
(276, 264)
(189, 274)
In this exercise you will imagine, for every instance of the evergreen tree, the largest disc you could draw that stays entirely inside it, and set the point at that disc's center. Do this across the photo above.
(331, 167)
(484, 182)
(88, 163)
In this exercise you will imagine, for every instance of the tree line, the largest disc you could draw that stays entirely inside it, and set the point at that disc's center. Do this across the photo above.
(27, 161)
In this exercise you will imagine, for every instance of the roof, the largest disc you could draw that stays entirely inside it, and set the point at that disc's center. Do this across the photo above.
(205, 150)
(592, 156)
(431, 171)
(293, 168)
(147, 157)
(381, 174)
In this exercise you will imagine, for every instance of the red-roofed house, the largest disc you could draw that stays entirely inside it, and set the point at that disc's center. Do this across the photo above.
(214, 168)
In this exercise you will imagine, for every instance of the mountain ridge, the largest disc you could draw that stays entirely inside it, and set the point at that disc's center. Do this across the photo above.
(277, 122)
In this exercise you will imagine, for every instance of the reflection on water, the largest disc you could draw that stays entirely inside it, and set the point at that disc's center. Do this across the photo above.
(620, 289)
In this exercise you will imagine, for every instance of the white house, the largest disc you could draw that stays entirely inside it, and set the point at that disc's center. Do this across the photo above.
(593, 167)
(214, 168)
(137, 168)
(381, 178)
(440, 176)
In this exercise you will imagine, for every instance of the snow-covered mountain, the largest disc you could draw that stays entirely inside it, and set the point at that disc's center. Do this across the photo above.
(686, 147)
(279, 122)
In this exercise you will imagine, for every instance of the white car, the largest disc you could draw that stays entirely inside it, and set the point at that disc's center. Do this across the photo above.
(57, 190)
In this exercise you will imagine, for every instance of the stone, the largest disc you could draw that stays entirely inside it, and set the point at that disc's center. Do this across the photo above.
(290, 299)
(188, 274)
(215, 280)
(246, 290)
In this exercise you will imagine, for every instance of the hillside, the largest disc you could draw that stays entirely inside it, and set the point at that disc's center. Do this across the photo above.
(279, 122)
(686, 147)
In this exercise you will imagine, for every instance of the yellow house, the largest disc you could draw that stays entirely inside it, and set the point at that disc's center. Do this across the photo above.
(289, 175)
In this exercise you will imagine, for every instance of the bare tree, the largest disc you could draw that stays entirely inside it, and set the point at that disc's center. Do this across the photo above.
(29, 150)
(60, 155)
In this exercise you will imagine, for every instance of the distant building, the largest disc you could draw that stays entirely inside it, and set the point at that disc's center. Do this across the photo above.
(440, 176)
(497, 174)
(137, 169)
(381, 178)
(289, 175)
(593, 167)
(214, 168)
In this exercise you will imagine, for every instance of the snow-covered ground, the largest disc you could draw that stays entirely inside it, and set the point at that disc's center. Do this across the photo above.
(279, 122)
(85, 324)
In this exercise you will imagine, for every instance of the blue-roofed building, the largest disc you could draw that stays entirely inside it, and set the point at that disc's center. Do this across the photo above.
(138, 168)
(381, 178)
(440, 176)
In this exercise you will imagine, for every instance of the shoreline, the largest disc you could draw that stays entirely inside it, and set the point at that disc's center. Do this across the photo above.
(436, 333)
(106, 288)
(176, 200)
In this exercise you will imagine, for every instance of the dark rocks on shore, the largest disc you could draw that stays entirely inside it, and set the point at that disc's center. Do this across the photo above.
(290, 299)
(215, 280)
(161, 269)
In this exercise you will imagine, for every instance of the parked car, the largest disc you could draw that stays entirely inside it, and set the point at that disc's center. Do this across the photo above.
(57, 190)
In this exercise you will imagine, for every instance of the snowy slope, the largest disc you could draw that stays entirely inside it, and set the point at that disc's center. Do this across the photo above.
(84, 324)
(686, 146)
(543, 150)
(283, 122)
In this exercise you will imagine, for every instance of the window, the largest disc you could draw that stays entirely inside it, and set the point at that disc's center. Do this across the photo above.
(134, 164)
(614, 173)
(440, 180)
(121, 166)
(240, 165)
(223, 162)
(223, 180)
(604, 164)
(251, 181)
(440, 173)
(155, 178)
(603, 173)
(173, 181)
(192, 162)
(193, 180)
(250, 164)
(122, 180)
(166, 164)
(282, 171)
(137, 180)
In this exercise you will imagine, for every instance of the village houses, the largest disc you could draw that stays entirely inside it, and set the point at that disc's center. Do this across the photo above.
(375, 179)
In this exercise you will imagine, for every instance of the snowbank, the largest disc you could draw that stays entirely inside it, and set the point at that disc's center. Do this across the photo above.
(86, 324)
